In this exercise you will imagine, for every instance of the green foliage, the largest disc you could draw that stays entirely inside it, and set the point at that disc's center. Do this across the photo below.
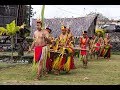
(115, 53)
(2, 30)
(101, 31)
(10, 29)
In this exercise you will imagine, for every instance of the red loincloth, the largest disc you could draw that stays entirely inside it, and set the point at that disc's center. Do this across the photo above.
(37, 53)
(98, 47)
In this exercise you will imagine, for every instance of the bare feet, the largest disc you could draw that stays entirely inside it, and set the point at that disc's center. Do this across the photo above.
(108, 60)
(85, 66)
(38, 77)
(46, 74)
(56, 73)
(67, 72)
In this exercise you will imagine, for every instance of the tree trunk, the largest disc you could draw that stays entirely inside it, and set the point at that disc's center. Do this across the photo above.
(12, 46)
(20, 49)
(20, 21)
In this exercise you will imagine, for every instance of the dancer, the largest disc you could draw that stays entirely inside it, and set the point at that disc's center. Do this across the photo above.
(107, 48)
(70, 45)
(70, 37)
(84, 44)
(59, 61)
(63, 61)
(40, 48)
(50, 54)
(91, 43)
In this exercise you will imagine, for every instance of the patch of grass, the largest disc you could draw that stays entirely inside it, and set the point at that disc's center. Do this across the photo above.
(5, 65)
(99, 72)
(115, 53)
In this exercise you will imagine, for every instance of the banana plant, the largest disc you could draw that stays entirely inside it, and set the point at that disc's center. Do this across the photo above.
(10, 30)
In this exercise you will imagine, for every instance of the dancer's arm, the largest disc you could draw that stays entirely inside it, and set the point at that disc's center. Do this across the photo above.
(47, 37)
(32, 46)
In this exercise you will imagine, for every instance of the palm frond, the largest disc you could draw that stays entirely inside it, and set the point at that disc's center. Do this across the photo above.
(2, 30)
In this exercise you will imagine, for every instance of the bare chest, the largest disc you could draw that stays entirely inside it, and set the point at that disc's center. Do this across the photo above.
(39, 35)
(63, 37)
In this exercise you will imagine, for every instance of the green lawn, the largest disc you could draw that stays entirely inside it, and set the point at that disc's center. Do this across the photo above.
(99, 72)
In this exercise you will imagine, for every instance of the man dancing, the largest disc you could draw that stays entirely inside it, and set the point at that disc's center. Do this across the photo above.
(107, 48)
(50, 54)
(40, 48)
(63, 62)
(84, 44)
(70, 38)
(59, 61)
(70, 45)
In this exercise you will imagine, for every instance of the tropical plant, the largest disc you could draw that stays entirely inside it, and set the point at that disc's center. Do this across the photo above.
(11, 30)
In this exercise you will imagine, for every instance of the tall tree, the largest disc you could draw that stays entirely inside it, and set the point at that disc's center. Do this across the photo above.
(28, 14)
(24, 14)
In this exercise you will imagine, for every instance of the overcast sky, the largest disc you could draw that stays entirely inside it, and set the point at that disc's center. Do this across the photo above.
(51, 11)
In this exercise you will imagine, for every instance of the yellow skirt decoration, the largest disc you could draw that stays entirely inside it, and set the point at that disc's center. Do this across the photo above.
(67, 64)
